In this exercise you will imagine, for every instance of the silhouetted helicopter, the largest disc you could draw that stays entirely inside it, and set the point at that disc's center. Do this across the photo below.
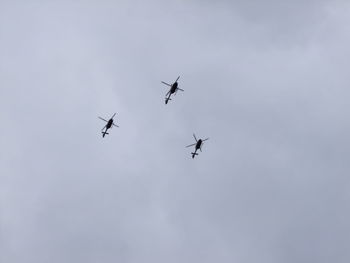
(109, 125)
(198, 145)
(173, 89)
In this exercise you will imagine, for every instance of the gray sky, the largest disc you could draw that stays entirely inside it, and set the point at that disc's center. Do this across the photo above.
(267, 81)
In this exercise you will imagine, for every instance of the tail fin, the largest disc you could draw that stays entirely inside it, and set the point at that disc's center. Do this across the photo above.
(194, 154)
(167, 100)
(104, 133)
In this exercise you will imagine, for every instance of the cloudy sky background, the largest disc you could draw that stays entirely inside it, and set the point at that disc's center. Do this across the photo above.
(267, 81)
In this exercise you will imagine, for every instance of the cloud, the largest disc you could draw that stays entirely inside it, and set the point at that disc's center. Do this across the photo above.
(266, 81)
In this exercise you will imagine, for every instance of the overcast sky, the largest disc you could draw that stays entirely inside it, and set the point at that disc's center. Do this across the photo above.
(267, 81)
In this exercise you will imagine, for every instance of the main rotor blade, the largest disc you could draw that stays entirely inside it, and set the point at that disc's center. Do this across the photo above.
(195, 137)
(167, 93)
(205, 140)
(191, 145)
(113, 115)
(102, 119)
(180, 89)
(177, 79)
(104, 128)
(115, 125)
(166, 83)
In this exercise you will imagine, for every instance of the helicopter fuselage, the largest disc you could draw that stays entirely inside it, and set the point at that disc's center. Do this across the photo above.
(173, 88)
(109, 124)
(198, 144)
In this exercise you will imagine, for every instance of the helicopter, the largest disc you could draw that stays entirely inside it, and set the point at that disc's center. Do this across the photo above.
(198, 145)
(109, 125)
(173, 89)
